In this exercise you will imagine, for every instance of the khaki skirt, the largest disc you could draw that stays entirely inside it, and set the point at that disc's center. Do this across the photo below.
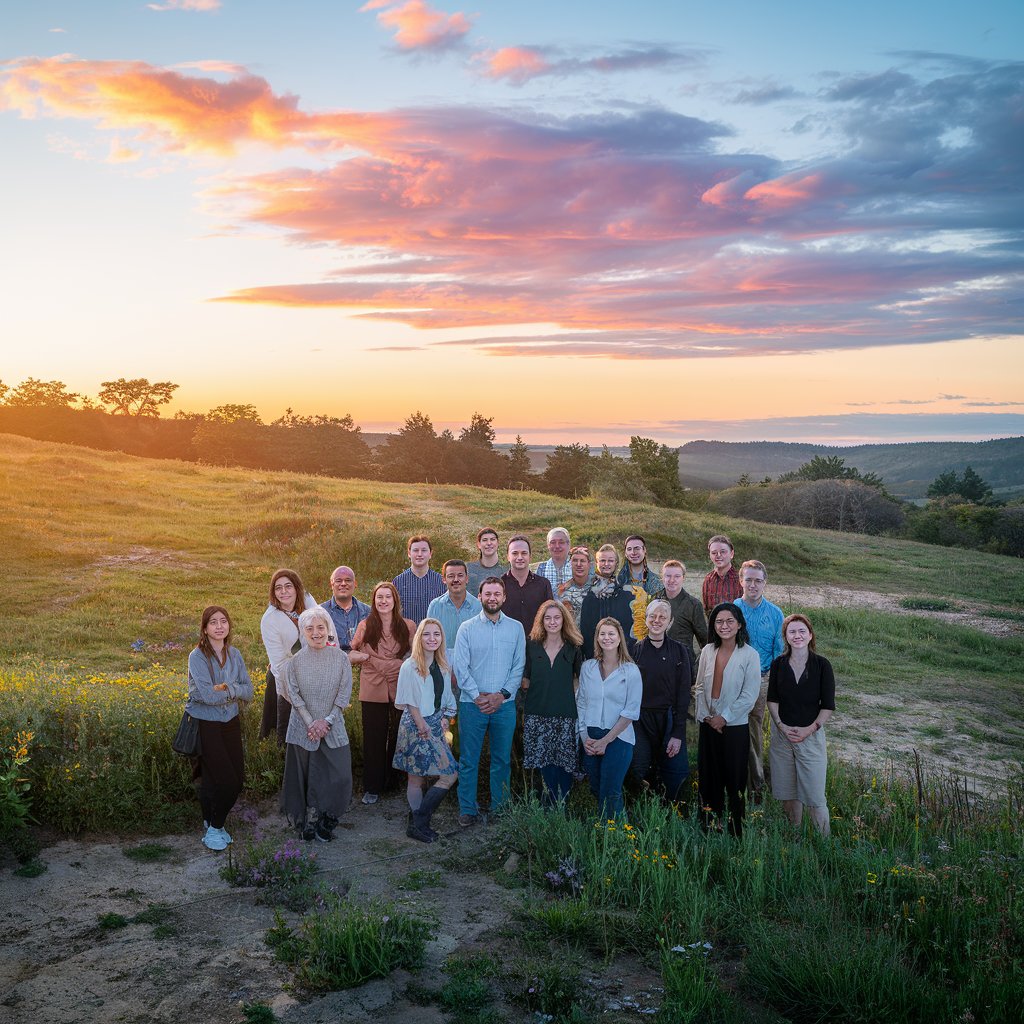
(798, 769)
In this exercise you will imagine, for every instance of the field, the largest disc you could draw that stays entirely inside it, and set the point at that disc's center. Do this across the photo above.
(109, 560)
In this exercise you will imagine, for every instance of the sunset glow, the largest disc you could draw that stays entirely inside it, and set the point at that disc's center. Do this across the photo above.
(394, 202)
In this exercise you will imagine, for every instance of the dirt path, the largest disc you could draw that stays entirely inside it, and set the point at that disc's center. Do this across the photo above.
(207, 956)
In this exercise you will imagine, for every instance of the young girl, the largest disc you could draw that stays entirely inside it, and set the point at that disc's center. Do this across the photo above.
(428, 706)
(217, 683)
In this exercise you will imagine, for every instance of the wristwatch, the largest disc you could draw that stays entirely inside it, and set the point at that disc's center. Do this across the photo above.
(505, 693)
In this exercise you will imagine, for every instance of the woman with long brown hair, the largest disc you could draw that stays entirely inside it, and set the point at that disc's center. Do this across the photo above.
(382, 642)
(553, 660)
(282, 638)
(218, 685)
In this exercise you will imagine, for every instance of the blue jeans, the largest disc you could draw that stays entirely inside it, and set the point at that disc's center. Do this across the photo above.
(557, 784)
(473, 726)
(606, 773)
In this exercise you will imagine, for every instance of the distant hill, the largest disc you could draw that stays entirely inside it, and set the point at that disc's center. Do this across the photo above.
(907, 469)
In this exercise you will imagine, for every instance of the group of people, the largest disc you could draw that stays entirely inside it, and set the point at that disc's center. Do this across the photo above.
(602, 659)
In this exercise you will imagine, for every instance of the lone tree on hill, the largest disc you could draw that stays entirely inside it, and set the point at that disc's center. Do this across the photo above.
(831, 467)
(136, 397)
(519, 471)
(41, 394)
(970, 486)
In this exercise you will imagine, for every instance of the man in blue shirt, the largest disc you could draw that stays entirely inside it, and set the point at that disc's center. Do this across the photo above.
(345, 609)
(419, 584)
(764, 626)
(455, 607)
(490, 653)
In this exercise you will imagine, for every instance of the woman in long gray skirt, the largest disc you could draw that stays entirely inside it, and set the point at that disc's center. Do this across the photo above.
(318, 760)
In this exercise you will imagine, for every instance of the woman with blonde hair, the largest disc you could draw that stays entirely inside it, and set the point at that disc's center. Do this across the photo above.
(318, 761)
(282, 638)
(553, 659)
(801, 699)
(606, 597)
(427, 704)
(381, 644)
(608, 703)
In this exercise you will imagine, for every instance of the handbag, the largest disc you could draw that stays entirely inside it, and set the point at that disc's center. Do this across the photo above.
(186, 739)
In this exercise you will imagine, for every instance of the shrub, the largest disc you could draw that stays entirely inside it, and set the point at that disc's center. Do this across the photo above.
(284, 874)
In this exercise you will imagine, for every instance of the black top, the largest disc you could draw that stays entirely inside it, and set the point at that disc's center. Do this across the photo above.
(616, 602)
(800, 700)
(667, 678)
(523, 602)
(551, 693)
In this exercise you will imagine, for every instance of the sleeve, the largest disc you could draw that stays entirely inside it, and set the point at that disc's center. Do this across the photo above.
(528, 664)
(827, 698)
(750, 686)
(344, 697)
(634, 693)
(201, 682)
(582, 700)
(448, 705)
(684, 680)
(588, 623)
(514, 679)
(700, 623)
(577, 662)
(359, 637)
(774, 676)
(278, 651)
(551, 593)
(702, 710)
(777, 638)
(241, 688)
(291, 685)
(460, 663)
(408, 686)
(705, 595)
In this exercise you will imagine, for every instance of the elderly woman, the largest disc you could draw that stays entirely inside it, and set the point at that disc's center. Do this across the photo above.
(728, 684)
(218, 685)
(318, 761)
(608, 703)
(427, 704)
(659, 757)
(282, 637)
(607, 597)
(553, 661)
(801, 699)
(381, 644)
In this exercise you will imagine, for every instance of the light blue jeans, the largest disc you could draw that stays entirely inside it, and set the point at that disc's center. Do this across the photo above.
(474, 725)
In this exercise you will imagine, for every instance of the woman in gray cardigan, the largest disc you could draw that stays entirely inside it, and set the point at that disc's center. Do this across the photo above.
(318, 759)
(218, 684)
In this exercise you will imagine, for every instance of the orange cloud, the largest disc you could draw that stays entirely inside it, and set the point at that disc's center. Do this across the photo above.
(418, 26)
(790, 190)
(518, 64)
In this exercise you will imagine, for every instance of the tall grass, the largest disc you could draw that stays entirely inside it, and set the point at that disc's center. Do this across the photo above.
(908, 912)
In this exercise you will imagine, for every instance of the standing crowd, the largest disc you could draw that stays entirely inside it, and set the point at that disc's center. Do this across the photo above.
(593, 663)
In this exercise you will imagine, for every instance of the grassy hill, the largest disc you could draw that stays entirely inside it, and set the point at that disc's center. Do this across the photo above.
(907, 469)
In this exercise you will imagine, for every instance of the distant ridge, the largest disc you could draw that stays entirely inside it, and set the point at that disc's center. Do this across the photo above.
(907, 469)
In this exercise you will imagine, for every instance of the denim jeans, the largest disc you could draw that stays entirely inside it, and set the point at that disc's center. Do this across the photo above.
(606, 773)
(557, 784)
(473, 726)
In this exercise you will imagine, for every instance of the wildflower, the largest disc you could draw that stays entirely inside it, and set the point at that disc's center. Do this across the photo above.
(872, 878)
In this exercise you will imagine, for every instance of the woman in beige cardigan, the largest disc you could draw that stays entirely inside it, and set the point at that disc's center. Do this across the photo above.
(728, 684)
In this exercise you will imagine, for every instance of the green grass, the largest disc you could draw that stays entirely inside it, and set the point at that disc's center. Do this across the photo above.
(927, 604)
(149, 853)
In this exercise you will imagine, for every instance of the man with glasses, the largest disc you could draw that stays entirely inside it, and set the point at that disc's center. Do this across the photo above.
(764, 625)
(345, 609)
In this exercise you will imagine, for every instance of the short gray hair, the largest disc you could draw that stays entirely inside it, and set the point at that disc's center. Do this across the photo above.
(316, 614)
(659, 603)
(555, 530)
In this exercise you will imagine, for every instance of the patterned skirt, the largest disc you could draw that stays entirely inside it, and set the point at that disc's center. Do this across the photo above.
(418, 756)
(548, 740)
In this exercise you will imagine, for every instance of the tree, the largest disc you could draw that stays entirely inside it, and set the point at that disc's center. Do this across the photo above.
(744, 480)
(41, 394)
(3, 390)
(568, 471)
(832, 467)
(519, 470)
(970, 487)
(480, 432)
(944, 485)
(973, 488)
(658, 466)
(232, 412)
(136, 397)
(412, 454)
(619, 479)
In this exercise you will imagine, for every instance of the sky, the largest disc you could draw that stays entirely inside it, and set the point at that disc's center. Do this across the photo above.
(587, 220)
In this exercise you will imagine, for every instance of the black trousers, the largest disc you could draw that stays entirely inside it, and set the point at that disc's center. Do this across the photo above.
(652, 732)
(722, 765)
(276, 712)
(219, 771)
(380, 733)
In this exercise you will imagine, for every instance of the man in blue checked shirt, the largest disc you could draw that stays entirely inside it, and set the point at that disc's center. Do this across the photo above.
(490, 653)
(764, 625)
(418, 585)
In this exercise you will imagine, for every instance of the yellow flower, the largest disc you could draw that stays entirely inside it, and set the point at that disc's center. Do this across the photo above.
(872, 878)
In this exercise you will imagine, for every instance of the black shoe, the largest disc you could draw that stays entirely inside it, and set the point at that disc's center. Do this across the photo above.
(307, 832)
(423, 835)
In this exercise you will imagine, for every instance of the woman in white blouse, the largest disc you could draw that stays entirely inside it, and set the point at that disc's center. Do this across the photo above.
(728, 684)
(282, 638)
(607, 705)
(427, 703)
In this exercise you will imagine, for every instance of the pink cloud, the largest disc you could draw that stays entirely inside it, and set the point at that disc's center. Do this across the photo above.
(186, 5)
(517, 64)
(418, 26)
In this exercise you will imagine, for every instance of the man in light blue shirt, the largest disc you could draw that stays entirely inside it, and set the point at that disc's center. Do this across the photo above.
(345, 609)
(455, 607)
(490, 653)
(764, 627)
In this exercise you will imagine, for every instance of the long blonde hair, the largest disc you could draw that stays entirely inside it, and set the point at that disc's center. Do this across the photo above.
(623, 650)
(419, 656)
(570, 634)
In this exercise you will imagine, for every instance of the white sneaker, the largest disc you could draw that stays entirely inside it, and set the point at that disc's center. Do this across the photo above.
(214, 839)
(227, 839)
(370, 798)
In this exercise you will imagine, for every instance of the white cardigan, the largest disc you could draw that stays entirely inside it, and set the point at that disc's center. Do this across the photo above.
(279, 635)
(741, 684)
